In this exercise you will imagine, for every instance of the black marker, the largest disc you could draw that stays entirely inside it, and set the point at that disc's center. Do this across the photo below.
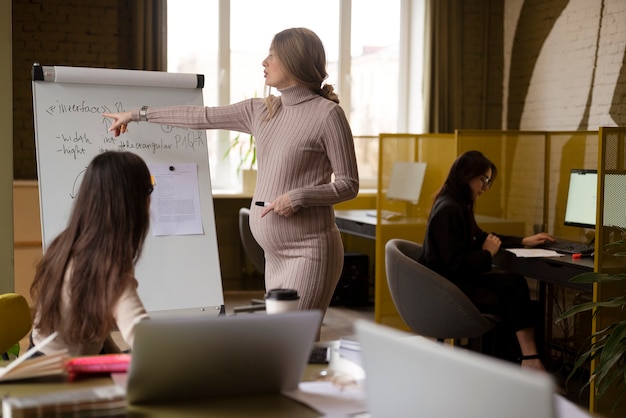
(259, 203)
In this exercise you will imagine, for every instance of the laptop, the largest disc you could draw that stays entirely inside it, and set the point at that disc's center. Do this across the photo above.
(408, 376)
(189, 358)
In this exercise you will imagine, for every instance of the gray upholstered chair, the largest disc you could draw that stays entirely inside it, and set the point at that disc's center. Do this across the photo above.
(429, 304)
(255, 253)
(252, 248)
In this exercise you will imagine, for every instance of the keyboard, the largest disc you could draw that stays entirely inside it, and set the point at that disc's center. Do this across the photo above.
(569, 247)
(319, 355)
(388, 215)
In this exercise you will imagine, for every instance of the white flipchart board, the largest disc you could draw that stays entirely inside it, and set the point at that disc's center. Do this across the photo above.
(176, 273)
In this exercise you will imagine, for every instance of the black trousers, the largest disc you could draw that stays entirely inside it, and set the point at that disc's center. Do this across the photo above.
(507, 296)
(503, 294)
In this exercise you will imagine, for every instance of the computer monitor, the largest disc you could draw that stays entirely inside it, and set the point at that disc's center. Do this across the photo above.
(580, 209)
(405, 182)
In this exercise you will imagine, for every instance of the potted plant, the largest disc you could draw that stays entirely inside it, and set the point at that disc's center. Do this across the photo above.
(246, 147)
(607, 347)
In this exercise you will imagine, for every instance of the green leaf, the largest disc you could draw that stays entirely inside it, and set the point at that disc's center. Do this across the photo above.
(15, 350)
(611, 303)
(247, 150)
(606, 347)
(595, 277)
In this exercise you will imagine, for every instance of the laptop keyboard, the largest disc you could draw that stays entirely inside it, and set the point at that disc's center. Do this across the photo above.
(569, 247)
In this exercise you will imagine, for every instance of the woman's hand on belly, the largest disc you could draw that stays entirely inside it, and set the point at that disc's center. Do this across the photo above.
(281, 206)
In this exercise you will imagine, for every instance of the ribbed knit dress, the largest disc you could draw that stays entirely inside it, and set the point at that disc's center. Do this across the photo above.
(307, 140)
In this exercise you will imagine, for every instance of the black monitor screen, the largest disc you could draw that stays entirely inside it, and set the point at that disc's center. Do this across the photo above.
(581, 198)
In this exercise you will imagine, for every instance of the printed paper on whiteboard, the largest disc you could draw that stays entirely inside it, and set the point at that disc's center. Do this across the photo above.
(175, 205)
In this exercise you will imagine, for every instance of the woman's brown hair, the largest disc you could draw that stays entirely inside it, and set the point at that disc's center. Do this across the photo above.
(101, 244)
(467, 166)
(301, 54)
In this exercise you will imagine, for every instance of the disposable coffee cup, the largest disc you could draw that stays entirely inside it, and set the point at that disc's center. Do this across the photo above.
(281, 300)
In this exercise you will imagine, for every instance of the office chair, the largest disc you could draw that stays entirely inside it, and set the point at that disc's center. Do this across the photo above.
(15, 321)
(252, 248)
(254, 251)
(430, 304)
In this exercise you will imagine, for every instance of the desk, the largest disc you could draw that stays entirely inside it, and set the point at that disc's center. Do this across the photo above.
(550, 271)
(553, 270)
(358, 222)
(262, 405)
(253, 406)
(270, 405)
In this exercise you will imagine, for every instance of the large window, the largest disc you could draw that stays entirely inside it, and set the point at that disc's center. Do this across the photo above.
(368, 82)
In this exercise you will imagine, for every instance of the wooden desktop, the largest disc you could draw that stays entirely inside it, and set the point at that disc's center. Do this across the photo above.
(266, 405)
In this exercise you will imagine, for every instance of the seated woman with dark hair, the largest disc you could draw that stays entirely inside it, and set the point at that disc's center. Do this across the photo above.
(456, 248)
(84, 286)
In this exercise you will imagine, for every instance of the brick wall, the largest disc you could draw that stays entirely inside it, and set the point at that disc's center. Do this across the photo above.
(567, 64)
(89, 33)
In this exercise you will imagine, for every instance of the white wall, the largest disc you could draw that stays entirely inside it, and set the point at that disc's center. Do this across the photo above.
(576, 76)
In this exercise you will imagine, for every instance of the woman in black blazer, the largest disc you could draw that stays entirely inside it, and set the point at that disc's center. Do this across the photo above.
(456, 248)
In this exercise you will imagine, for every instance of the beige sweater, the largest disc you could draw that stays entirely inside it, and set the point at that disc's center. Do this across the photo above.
(128, 311)
(306, 141)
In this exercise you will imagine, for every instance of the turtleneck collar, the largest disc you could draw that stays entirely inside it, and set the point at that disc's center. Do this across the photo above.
(296, 94)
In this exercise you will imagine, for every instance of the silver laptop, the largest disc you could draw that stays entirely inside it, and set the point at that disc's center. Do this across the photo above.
(409, 376)
(186, 358)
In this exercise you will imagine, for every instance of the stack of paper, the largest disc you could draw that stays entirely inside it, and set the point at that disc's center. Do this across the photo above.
(350, 342)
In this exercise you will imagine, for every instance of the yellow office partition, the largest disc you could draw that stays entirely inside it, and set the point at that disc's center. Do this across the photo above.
(566, 151)
(611, 215)
(514, 204)
(437, 151)
(528, 195)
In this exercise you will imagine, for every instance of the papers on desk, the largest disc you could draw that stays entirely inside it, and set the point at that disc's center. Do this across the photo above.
(338, 391)
(25, 367)
(330, 398)
(534, 252)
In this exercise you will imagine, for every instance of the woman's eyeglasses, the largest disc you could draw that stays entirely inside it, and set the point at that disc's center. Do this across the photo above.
(486, 182)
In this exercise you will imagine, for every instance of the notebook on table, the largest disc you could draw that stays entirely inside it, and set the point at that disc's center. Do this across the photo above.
(409, 376)
(188, 358)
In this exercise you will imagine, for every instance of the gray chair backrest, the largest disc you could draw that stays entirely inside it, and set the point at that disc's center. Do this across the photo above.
(252, 248)
(428, 303)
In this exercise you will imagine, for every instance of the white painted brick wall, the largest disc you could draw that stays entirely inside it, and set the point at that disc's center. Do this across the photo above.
(585, 37)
